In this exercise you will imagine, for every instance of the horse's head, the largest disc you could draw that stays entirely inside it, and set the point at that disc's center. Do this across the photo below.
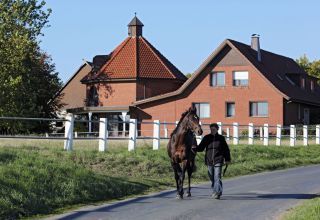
(193, 122)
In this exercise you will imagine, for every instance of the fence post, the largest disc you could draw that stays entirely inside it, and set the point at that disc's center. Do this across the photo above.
(103, 134)
(156, 135)
(250, 134)
(199, 138)
(132, 134)
(68, 133)
(292, 135)
(165, 129)
(261, 133)
(265, 134)
(235, 133)
(305, 135)
(278, 138)
(220, 128)
(228, 134)
(317, 134)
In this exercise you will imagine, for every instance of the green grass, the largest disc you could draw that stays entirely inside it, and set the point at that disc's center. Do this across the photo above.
(42, 179)
(309, 210)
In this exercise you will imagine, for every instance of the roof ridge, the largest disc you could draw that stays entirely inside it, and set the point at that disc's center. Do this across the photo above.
(157, 56)
(267, 51)
(121, 46)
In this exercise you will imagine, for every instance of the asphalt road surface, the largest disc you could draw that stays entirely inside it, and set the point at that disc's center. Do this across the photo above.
(260, 196)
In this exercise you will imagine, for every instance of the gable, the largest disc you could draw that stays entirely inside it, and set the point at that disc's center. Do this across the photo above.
(232, 58)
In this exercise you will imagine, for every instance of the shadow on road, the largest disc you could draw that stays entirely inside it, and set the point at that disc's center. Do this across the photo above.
(254, 196)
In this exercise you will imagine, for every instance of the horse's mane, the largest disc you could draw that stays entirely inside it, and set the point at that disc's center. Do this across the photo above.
(182, 117)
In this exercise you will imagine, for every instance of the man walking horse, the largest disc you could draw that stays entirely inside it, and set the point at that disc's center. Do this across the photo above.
(182, 148)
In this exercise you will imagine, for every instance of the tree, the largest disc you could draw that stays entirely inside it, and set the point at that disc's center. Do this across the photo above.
(188, 75)
(312, 68)
(28, 79)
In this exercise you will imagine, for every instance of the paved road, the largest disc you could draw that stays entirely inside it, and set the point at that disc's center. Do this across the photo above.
(260, 196)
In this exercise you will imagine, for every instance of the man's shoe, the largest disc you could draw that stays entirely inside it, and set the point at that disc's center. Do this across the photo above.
(215, 196)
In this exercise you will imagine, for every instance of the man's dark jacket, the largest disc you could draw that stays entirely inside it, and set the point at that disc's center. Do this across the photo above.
(217, 149)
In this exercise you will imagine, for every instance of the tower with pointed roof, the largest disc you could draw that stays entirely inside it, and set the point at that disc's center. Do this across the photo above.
(135, 27)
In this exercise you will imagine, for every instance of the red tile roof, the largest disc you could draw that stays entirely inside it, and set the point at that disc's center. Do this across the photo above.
(135, 57)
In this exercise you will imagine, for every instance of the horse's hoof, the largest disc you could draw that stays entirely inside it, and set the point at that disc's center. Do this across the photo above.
(188, 194)
(179, 197)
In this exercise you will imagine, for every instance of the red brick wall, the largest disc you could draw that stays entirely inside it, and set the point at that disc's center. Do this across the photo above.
(75, 91)
(153, 87)
(258, 89)
(122, 93)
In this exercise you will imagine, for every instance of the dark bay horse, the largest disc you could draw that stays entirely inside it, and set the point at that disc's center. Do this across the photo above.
(179, 148)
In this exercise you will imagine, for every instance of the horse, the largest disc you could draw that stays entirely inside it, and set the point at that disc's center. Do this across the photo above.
(180, 148)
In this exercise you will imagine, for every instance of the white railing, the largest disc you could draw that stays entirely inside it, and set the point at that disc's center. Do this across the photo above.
(247, 134)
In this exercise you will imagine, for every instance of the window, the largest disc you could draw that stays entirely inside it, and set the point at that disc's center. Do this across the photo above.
(230, 109)
(217, 79)
(240, 78)
(258, 108)
(203, 109)
(93, 97)
(290, 81)
(303, 83)
(312, 85)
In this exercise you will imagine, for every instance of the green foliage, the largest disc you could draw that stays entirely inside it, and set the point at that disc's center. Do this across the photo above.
(311, 67)
(188, 75)
(28, 80)
(40, 180)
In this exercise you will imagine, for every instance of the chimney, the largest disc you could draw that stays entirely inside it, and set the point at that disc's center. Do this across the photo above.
(135, 27)
(255, 44)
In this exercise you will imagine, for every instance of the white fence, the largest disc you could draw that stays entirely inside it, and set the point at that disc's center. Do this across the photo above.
(249, 134)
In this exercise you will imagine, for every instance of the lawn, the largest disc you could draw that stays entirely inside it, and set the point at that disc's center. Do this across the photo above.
(41, 178)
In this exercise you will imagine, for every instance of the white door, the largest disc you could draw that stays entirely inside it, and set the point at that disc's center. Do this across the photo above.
(306, 116)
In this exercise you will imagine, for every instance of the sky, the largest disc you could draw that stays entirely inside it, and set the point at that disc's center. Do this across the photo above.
(186, 32)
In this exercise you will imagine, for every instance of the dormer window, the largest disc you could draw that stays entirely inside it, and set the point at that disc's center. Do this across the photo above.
(303, 83)
(290, 81)
(312, 85)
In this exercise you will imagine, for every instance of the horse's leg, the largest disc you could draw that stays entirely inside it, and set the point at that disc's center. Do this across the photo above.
(189, 170)
(181, 177)
(176, 168)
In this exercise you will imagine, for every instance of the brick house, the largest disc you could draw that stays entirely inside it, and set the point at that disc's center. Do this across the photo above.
(133, 71)
(244, 84)
(236, 83)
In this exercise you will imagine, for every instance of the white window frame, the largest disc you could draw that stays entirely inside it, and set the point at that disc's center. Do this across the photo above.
(199, 110)
(214, 74)
(312, 85)
(238, 76)
(234, 113)
(257, 110)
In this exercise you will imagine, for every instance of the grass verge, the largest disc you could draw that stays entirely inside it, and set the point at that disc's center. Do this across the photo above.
(309, 210)
(42, 180)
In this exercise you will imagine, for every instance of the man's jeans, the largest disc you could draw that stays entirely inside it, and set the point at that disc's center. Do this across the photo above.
(214, 173)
